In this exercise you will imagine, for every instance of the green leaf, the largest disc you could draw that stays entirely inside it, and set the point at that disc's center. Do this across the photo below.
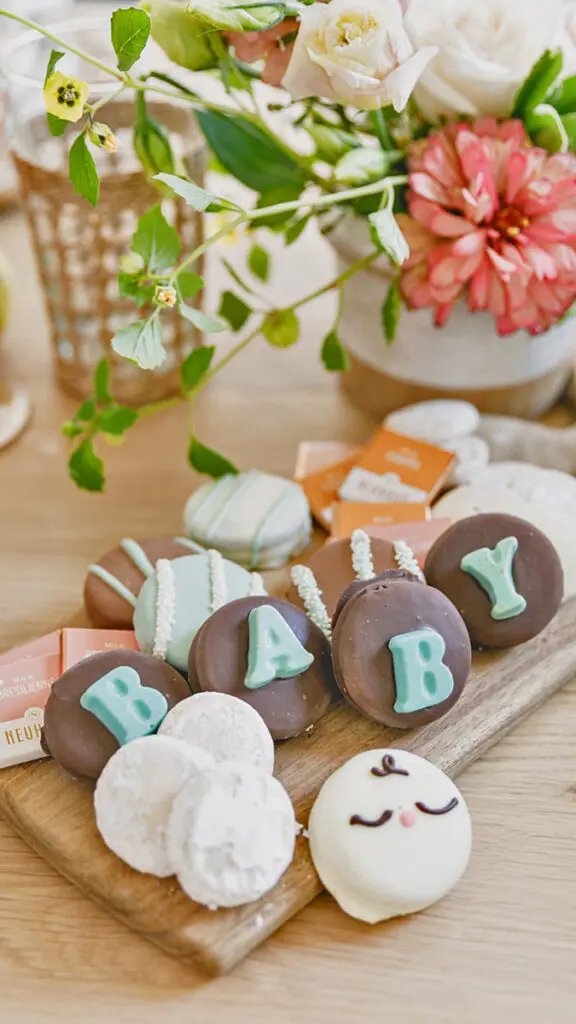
(546, 128)
(198, 198)
(276, 221)
(102, 382)
(249, 153)
(334, 356)
(87, 411)
(206, 460)
(130, 287)
(83, 173)
(86, 468)
(294, 230)
(380, 123)
(539, 82)
(195, 366)
(203, 321)
(362, 166)
(156, 241)
(391, 310)
(141, 342)
(569, 123)
(387, 237)
(130, 33)
(54, 59)
(281, 328)
(116, 420)
(151, 141)
(56, 125)
(564, 97)
(189, 284)
(234, 310)
(259, 262)
(236, 277)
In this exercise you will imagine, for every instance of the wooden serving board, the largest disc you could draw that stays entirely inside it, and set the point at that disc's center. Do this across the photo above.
(54, 814)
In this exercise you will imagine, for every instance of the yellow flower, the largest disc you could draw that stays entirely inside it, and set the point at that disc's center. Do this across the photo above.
(65, 96)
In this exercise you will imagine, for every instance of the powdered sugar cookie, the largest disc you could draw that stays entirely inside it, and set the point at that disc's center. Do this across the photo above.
(134, 795)
(511, 438)
(254, 518)
(225, 727)
(472, 455)
(443, 419)
(180, 596)
(231, 835)
(390, 834)
(531, 483)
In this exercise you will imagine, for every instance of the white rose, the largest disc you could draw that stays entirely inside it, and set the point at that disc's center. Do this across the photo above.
(569, 38)
(355, 52)
(487, 48)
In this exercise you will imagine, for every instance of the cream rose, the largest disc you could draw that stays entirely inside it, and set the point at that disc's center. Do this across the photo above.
(486, 49)
(569, 38)
(355, 52)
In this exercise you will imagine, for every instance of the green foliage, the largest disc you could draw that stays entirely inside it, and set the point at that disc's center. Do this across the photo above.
(236, 277)
(546, 128)
(130, 29)
(203, 321)
(141, 343)
(206, 460)
(387, 236)
(198, 198)
(563, 99)
(361, 166)
(151, 141)
(156, 241)
(293, 231)
(538, 83)
(102, 382)
(234, 310)
(115, 420)
(281, 328)
(86, 468)
(189, 284)
(132, 286)
(569, 123)
(56, 125)
(277, 221)
(259, 262)
(331, 142)
(185, 39)
(82, 170)
(196, 366)
(334, 355)
(250, 153)
(391, 311)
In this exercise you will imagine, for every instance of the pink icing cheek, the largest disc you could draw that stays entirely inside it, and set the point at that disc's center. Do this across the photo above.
(408, 818)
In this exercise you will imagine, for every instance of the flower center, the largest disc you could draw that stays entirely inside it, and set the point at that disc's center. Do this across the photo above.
(352, 28)
(68, 94)
(509, 222)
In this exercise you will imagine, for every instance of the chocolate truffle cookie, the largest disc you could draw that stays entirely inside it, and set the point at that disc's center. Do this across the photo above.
(267, 652)
(358, 585)
(115, 580)
(401, 653)
(73, 735)
(333, 568)
(502, 574)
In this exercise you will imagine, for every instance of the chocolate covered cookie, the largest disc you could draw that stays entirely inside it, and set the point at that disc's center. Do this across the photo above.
(336, 565)
(270, 654)
(401, 653)
(502, 574)
(102, 703)
(115, 580)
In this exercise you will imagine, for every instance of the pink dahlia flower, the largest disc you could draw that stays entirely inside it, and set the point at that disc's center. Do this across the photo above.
(273, 45)
(493, 217)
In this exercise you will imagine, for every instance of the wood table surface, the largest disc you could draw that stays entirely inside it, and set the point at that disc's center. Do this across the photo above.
(501, 948)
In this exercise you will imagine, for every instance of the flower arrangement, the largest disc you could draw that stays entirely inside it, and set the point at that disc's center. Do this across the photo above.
(449, 126)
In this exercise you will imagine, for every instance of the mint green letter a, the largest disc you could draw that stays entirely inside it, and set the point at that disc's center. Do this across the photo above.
(422, 679)
(492, 569)
(274, 651)
(126, 708)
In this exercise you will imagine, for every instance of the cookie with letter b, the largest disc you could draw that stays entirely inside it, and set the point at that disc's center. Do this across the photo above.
(268, 653)
(401, 652)
(503, 574)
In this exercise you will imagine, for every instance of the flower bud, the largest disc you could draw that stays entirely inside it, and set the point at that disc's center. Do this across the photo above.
(103, 137)
(225, 16)
(183, 37)
(165, 296)
(331, 143)
(132, 263)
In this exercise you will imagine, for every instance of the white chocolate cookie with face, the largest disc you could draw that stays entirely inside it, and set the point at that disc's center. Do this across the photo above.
(390, 834)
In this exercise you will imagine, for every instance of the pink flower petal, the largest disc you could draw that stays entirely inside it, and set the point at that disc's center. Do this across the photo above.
(504, 268)
(541, 262)
(424, 185)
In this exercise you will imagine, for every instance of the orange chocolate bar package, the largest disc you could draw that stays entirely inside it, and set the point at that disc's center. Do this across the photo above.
(315, 455)
(78, 644)
(397, 468)
(44, 645)
(419, 536)
(348, 516)
(321, 489)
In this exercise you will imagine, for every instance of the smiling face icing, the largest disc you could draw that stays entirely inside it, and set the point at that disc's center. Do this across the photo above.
(390, 834)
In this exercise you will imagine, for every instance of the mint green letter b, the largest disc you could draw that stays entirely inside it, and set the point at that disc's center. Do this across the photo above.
(274, 651)
(422, 679)
(126, 708)
(492, 569)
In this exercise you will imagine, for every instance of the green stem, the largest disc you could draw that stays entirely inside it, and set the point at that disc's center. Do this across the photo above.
(337, 282)
(106, 99)
(201, 249)
(61, 42)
